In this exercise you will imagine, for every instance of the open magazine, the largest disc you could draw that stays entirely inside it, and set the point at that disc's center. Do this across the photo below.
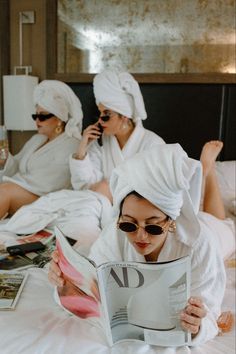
(31, 259)
(11, 286)
(130, 300)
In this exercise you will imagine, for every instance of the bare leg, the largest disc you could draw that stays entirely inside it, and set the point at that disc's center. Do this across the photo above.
(12, 197)
(212, 201)
(102, 187)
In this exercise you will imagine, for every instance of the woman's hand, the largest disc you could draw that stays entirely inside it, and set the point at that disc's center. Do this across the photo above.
(91, 133)
(55, 274)
(191, 316)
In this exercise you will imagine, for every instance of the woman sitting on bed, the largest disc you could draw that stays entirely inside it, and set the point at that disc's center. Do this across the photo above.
(122, 110)
(156, 198)
(42, 166)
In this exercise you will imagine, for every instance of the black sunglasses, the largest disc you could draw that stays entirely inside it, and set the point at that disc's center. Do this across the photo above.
(151, 229)
(105, 118)
(42, 117)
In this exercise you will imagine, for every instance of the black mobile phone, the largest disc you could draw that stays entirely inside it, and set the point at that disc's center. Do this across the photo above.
(25, 248)
(100, 137)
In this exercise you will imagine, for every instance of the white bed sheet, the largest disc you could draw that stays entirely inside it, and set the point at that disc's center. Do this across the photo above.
(39, 326)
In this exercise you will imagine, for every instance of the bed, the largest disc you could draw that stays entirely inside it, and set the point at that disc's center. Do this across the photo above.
(39, 326)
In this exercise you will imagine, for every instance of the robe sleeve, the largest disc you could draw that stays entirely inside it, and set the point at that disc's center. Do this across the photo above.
(107, 247)
(87, 171)
(208, 282)
(12, 164)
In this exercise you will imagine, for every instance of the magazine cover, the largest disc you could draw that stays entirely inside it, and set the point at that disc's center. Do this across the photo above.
(11, 286)
(131, 300)
(143, 301)
(43, 236)
(31, 259)
(9, 262)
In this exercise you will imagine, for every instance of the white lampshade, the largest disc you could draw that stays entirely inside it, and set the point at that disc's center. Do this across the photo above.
(18, 101)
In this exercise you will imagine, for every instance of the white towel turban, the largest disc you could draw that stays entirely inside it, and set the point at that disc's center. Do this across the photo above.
(167, 178)
(58, 98)
(121, 93)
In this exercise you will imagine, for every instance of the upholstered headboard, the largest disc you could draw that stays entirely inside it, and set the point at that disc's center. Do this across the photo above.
(189, 114)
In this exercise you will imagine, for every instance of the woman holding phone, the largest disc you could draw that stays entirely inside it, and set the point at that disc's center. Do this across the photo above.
(120, 103)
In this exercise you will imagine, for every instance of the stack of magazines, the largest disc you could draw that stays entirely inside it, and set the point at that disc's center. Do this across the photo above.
(31, 259)
(12, 280)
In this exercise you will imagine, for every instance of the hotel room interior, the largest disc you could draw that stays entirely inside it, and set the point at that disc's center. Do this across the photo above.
(183, 54)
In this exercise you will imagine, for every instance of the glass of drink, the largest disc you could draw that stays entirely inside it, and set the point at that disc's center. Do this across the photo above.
(3, 143)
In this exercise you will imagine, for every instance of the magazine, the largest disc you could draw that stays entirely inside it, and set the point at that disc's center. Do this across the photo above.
(32, 259)
(130, 300)
(11, 286)
(43, 236)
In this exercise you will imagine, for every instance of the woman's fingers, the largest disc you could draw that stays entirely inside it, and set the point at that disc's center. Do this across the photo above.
(192, 315)
(92, 129)
(55, 256)
(189, 328)
(55, 274)
(196, 307)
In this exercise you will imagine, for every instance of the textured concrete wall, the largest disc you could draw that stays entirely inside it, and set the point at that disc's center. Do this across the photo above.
(162, 36)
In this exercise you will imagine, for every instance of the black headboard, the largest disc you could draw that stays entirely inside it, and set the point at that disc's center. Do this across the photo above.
(189, 114)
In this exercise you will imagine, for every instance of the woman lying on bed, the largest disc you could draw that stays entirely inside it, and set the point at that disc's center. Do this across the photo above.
(42, 166)
(156, 198)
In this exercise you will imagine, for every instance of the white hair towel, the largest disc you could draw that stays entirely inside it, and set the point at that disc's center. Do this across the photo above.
(121, 93)
(169, 179)
(58, 98)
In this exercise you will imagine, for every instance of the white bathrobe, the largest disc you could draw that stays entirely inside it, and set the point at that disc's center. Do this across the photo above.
(171, 181)
(41, 170)
(207, 268)
(79, 214)
(100, 161)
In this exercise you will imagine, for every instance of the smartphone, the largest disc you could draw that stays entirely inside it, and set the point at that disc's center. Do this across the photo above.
(100, 137)
(25, 248)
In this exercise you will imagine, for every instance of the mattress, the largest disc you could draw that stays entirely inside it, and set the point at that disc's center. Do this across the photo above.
(39, 326)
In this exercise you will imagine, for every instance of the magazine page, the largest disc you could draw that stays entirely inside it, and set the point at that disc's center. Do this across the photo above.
(8, 262)
(40, 258)
(11, 286)
(45, 236)
(79, 295)
(30, 259)
(143, 301)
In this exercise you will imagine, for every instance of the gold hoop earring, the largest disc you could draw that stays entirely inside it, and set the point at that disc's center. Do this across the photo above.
(58, 129)
(172, 226)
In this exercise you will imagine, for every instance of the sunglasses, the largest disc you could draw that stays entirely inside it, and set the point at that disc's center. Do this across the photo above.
(42, 117)
(105, 118)
(151, 229)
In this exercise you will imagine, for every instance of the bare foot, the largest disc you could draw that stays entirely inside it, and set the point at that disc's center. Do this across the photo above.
(209, 153)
